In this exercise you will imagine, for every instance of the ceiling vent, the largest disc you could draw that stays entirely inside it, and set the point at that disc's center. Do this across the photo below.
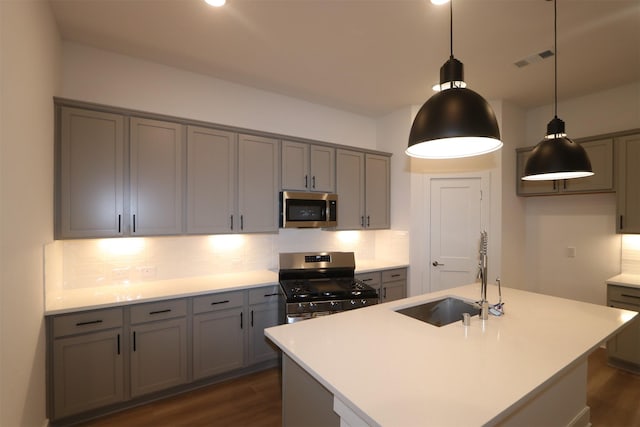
(534, 58)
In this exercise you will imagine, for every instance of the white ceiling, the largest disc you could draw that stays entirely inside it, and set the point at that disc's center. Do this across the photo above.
(372, 56)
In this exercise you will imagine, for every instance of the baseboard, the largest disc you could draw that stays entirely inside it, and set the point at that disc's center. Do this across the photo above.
(582, 419)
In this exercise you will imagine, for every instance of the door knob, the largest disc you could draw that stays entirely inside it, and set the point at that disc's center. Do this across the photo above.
(436, 263)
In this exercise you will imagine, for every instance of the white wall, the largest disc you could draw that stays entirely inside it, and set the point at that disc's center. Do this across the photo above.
(107, 78)
(586, 222)
(29, 76)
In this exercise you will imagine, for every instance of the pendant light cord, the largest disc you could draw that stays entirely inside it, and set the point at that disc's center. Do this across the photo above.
(555, 56)
(451, 28)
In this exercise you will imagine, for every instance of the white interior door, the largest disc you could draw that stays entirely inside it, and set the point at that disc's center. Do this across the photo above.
(457, 206)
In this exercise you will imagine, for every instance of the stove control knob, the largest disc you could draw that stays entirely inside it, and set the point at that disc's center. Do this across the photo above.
(363, 302)
(352, 302)
(312, 306)
(334, 303)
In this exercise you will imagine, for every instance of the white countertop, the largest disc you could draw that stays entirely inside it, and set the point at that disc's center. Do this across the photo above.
(632, 280)
(70, 300)
(393, 370)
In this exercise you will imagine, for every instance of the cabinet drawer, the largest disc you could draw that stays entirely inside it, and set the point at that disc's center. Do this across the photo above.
(622, 294)
(371, 279)
(152, 311)
(219, 301)
(265, 294)
(86, 321)
(393, 275)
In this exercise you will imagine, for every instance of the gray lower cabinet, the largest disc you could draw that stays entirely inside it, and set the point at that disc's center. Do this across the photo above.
(100, 358)
(623, 349)
(86, 362)
(218, 333)
(265, 310)
(390, 284)
(158, 336)
(394, 284)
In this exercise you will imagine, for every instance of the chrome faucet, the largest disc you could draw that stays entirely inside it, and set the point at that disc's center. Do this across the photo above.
(482, 275)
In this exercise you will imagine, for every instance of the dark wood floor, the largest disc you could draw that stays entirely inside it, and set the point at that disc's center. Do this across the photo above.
(254, 400)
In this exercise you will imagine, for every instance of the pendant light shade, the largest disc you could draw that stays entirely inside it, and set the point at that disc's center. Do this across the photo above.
(556, 156)
(455, 122)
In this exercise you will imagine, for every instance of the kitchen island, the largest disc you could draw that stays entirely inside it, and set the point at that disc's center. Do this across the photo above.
(377, 367)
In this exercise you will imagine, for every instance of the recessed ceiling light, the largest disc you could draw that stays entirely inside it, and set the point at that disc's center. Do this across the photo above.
(215, 3)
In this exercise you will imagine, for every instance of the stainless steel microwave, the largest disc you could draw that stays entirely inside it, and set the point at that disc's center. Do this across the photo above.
(308, 210)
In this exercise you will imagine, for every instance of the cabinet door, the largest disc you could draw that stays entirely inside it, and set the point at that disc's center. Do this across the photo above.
(628, 184)
(377, 192)
(211, 180)
(87, 372)
(158, 355)
(91, 174)
(258, 169)
(600, 154)
(350, 189)
(323, 169)
(218, 342)
(295, 166)
(156, 177)
(392, 291)
(531, 188)
(625, 345)
(265, 310)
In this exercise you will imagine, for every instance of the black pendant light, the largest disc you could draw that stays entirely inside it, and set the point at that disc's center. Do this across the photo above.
(556, 156)
(455, 122)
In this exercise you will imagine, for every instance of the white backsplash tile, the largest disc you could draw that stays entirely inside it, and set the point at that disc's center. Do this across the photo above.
(103, 262)
(630, 258)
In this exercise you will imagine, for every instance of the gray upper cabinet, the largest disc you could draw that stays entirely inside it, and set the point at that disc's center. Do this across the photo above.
(350, 189)
(363, 187)
(308, 167)
(156, 177)
(90, 174)
(628, 187)
(601, 155)
(211, 180)
(258, 173)
(377, 191)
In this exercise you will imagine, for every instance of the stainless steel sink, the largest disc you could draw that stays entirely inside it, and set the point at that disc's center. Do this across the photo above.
(441, 312)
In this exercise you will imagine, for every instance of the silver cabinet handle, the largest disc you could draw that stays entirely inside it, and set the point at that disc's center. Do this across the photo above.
(436, 263)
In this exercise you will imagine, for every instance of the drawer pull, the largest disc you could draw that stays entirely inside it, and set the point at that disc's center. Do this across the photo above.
(631, 296)
(134, 340)
(118, 344)
(220, 302)
(271, 295)
(395, 275)
(367, 280)
(167, 310)
(90, 322)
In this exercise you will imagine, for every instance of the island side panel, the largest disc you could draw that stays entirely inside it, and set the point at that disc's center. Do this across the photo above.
(305, 402)
(560, 403)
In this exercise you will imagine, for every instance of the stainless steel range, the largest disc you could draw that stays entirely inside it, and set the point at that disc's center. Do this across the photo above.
(320, 283)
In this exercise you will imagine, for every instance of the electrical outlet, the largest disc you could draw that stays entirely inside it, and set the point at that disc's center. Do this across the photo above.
(148, 272)
(120, 274)
(571, 252)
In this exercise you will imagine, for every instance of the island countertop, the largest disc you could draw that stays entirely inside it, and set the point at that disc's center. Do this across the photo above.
(393, 370)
